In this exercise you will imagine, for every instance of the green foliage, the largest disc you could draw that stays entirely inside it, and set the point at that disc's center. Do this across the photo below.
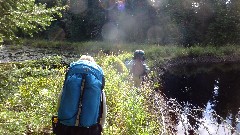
(214, 51)
(51, 3)
(30, 97)
(225, 26)
(158, 54)
(198, 51)
(1, 38)
(127, 106)
(84, 25)
(24, 16)
(205, 21)
(116, 63)
(175, 21)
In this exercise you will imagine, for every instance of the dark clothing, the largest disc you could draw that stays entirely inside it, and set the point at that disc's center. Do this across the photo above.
(72, 130)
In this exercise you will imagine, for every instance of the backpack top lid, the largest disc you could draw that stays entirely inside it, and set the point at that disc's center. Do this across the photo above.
(139, 54)
(80, 66)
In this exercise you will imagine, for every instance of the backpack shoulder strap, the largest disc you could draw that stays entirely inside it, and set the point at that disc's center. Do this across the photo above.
(100, 109)
(80, 101)
(103, 82)
(101, 100)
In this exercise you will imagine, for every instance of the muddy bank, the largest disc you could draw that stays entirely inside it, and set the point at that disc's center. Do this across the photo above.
(15, 54)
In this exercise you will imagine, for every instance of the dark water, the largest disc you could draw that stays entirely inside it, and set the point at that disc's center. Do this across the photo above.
(207, 96)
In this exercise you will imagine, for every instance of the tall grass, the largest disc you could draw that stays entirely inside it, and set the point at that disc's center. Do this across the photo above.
(28, 97)
(29, 93)
(153, 52)
(128, 106)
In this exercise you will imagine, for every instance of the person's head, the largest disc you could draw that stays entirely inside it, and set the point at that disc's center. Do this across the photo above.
(87, 57)
(139, 54)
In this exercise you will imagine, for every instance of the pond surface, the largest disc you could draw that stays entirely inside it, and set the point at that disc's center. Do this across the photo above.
(203, 99)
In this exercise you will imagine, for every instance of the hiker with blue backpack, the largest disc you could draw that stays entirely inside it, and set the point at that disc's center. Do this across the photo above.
(82, 102)
(138, 68)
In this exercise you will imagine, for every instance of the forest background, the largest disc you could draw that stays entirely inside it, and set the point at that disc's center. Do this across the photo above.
(181, 22)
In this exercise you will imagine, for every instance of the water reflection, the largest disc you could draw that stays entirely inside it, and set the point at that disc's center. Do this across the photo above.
(208, 98)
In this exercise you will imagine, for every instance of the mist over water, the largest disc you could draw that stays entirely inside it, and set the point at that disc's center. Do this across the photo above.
(208, 98)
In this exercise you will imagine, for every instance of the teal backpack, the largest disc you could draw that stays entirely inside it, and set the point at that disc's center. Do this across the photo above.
(80, 103)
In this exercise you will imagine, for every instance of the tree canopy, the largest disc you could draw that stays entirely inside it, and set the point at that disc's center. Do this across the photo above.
(184, 22)
(25, 16)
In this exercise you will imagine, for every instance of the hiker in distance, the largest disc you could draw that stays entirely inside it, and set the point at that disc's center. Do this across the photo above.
(138, 68)
(82, 102)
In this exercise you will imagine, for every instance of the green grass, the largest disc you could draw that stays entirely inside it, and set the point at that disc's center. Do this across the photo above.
(154, 53)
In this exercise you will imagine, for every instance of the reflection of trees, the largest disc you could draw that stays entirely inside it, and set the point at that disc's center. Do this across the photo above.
(195, 90)
(228, 96)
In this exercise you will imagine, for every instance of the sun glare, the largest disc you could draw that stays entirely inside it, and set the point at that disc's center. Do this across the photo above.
(155, 3)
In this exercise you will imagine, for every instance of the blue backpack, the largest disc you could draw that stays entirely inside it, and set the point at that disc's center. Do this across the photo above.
(80, 103)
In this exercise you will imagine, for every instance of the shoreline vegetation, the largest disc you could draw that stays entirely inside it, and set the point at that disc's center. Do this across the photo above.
(160, 53)
(29, 89)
